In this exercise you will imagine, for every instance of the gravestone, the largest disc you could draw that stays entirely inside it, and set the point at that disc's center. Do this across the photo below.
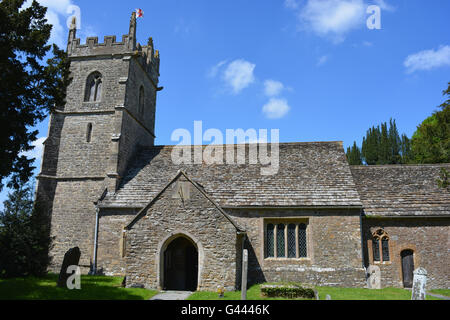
(71, 258)
(244, 275)
(328, 297)
(374, 277)
(419, 283)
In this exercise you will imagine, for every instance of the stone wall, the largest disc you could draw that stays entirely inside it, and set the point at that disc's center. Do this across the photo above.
(73, 219)
(427, 237)
(334, 247)
(194, 217)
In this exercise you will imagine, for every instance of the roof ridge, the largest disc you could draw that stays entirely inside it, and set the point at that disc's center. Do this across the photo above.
(339, 143)
(399, 165)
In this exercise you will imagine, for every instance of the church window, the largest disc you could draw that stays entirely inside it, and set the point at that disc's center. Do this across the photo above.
(280, 241)
(286, 240)
(89, 133)
(302, 247)
(270, 241)
(380, 246)
(94, 87)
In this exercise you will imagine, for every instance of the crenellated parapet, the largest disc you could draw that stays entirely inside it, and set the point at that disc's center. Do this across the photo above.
(147, 55)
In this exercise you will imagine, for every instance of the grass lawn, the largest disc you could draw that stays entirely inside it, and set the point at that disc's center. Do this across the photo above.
(335, 293)
(92, 288)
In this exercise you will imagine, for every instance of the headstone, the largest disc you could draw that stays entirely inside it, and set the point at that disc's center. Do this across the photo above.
(374, 277)
(328, 297)
(316, 294)
(244, 275)
(71, 258)
(419, 284)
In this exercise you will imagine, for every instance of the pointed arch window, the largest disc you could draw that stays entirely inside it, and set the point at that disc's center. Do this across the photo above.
(94, 87)
(380, 246)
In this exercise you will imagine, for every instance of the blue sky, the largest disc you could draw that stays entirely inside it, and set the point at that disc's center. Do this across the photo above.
(310, 68)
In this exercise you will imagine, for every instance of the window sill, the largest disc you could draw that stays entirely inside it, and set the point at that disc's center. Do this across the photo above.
(382, 263)
(289, 259)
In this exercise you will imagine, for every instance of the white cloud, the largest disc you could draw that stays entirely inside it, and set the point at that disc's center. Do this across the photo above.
(239, 75)
(383, 5)
(322, 60)
(213, 71)
(291, 4)
(272, 88)
(35, 153)
(428, 59)
(333, 18)
(276, 108)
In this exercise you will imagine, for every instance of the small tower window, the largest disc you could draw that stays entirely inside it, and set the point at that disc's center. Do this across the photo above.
(141, 101)
(89, 133)
(94, 87)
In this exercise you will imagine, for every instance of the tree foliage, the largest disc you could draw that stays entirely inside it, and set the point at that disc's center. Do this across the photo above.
(381, 145)
(24, 236)
(431, 141)
(29, 87)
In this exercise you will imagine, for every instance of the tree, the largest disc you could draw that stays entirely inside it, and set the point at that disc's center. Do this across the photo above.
(24, 236)
(354, 155)
(431, 141)
(383, 145)
(28, 89)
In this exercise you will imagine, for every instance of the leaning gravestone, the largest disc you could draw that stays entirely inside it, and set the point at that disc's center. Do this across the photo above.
(71, 258)
(374, 279)
(419, 283)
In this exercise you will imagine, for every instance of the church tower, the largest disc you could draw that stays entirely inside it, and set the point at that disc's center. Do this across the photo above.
(109, 113)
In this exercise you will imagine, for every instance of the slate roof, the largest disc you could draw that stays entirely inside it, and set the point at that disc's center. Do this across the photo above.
(311, 175)
(402, 190)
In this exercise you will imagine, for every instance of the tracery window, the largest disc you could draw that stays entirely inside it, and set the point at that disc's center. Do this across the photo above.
(94, 87)
(286, 240)
(380, 246)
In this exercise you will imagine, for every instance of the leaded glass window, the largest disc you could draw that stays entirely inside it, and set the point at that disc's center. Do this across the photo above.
(380, 246)
(302, 245)
(376, 249)
(270, 241)
(280, 241)
(292, 251)
(385, 248)
(94, 87)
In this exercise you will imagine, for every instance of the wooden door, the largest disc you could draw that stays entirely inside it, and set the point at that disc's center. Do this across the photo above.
(407, 268)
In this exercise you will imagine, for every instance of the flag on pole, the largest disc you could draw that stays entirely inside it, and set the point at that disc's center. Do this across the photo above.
(139, 13)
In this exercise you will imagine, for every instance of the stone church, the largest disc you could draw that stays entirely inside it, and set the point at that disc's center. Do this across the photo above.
(111, 192)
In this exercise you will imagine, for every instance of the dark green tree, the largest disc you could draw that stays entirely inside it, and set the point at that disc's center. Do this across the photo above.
(29, 88)
(24, 235)
(383, 145)
(354, 155)
(431, 142)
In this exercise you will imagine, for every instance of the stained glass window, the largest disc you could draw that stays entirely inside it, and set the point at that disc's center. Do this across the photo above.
(385, 248)
(292, 251)
(270, 241)
(302, 246)
(280, 241)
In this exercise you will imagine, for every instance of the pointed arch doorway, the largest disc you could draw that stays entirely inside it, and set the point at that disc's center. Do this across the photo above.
(180, 265)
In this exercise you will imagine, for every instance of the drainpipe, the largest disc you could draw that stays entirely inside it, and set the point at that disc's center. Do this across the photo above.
(362, 241)
(94, 266)
(97, 211)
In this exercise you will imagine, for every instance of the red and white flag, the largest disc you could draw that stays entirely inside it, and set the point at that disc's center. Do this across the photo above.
(139, 13)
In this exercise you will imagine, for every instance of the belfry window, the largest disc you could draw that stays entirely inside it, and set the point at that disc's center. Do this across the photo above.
(286, 240)
(94, 87)
(380, 246)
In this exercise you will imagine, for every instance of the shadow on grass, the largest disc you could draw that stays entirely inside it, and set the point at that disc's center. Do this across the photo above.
(92, 288)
